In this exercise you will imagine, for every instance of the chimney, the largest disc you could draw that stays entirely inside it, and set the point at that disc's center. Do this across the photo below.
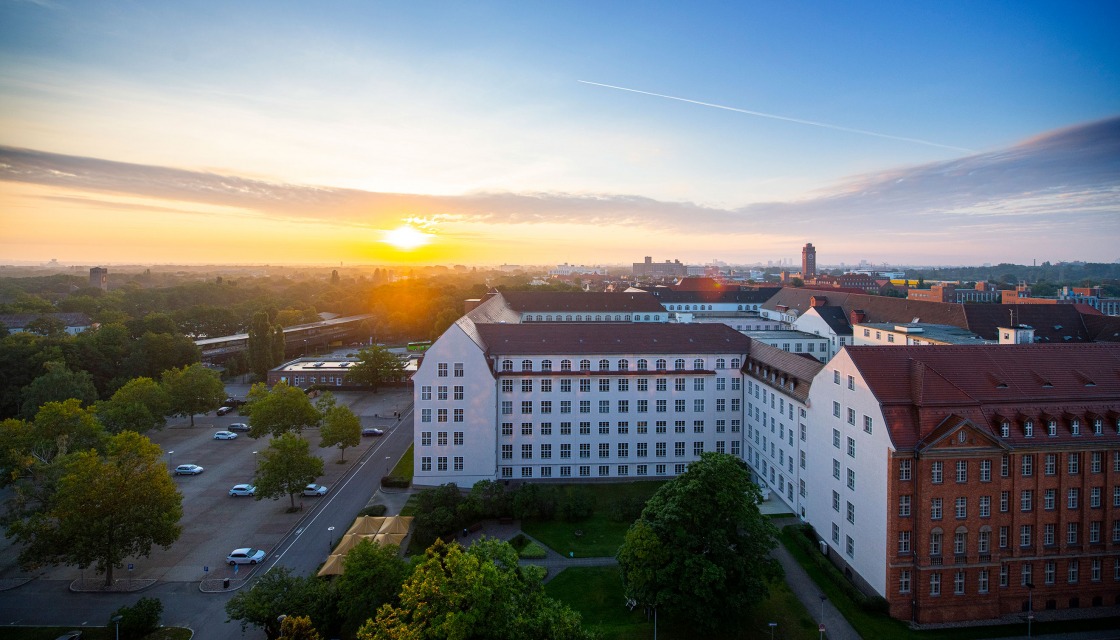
(818, 301)
(858, 316)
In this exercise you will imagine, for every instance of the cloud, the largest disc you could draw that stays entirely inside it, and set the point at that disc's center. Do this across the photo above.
(1054, 183)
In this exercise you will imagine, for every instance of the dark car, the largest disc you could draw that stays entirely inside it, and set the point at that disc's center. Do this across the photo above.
(70, 635)
(370, 431)
(224, 410)
(233, 402)
(238, 426)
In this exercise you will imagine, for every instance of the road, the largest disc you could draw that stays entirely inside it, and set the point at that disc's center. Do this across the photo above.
(303, 549)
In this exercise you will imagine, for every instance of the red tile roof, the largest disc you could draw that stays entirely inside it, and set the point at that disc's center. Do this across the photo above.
(596, 338)
(580, 302)
(919, 386)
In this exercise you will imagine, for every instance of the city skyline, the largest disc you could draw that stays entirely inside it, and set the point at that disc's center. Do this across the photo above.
(495, 133)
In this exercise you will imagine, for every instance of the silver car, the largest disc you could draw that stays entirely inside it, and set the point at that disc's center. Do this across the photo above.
(243, 490)
(245, 555)
(188, 470)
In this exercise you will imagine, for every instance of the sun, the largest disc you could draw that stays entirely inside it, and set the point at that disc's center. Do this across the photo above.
(406, 238)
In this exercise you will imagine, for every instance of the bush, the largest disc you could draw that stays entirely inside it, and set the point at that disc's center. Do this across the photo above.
(576, 504)
(395, 482)
(373, 510)
(138, 620)
(533, 551)
(519, 542)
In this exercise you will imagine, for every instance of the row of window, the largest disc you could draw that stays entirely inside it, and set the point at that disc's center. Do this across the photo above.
(545, 407)
(598, 317)
(604, 386)
(1052, 427)
(602, 471)
(1026, 501)
(1050, 466)
(623, 364)
(641, 427)
(983, 576)
(868, 425)
(621, 450)
(441, 370)
(1073, 533)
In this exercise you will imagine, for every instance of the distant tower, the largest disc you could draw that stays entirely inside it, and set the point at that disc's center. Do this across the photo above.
(808, 262)
(99, 278)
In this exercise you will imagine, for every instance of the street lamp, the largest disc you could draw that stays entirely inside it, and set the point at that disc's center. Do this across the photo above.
(117, 621)
(1030, 606)
(171, 459)
(772, 626)
(330, 539)
(821, 621)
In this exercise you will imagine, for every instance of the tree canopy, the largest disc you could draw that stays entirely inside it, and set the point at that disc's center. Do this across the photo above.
(376, 366)
(192, 390)
(372, 576)
(341, 428)
(105, 509)
(141, 404)
(477, 593)
(700, 549)
(57, 384)
(286, 467)
(277, 593)
(282, 409)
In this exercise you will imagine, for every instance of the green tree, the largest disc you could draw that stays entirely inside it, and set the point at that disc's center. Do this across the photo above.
(57, 384)
(372, 576)
(278, 593)
(376, 366)
(192, 390)
(141, 404)
(298, 628)
(341, 428)
(437, 512)
(105, 509)
(444, 319)
(286, 467)
(478, 593)
(155, 353)
(700, 550)
(282, 409)
(139, 620)
(260, 345)
(277, 344)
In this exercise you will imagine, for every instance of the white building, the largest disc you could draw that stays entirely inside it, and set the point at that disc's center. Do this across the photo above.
(777, 390)
(810, 344)
(828, 322)
(498, 398)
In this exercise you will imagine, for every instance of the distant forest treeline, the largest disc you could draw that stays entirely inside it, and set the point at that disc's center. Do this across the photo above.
(1050, 276)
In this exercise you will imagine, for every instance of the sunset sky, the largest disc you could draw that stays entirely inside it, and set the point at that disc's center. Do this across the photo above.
(537, 133)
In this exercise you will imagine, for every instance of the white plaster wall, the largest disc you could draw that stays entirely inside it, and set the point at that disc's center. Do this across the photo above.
(479, 404)
(775, 436)
(870, 465)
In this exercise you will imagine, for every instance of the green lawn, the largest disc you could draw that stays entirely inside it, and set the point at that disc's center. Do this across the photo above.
(596, 593)
(404, 468)
(598, 535)
(871, 625)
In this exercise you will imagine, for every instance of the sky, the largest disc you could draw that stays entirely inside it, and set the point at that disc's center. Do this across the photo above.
(541, 133)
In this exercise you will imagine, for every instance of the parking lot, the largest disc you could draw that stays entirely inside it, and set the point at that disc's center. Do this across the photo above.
(214, 523)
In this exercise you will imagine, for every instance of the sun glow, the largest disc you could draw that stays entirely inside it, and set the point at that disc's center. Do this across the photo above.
(406, 238)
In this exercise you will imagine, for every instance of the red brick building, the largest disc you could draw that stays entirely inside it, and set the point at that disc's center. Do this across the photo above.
(1002, 469)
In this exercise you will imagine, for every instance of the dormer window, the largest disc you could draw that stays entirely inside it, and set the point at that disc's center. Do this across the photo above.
(1028, 428)
(1052, 428)
(1005, 429)
(1075, 427)
(1098, 427)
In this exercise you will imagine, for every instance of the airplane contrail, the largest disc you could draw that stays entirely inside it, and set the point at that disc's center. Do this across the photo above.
(823, 125)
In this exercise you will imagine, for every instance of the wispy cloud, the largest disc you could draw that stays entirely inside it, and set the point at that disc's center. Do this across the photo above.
(1060, 184)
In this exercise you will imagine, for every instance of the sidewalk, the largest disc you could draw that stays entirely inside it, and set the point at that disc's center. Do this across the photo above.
(802, 586)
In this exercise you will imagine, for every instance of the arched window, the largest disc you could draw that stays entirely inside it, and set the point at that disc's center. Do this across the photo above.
(539, 317)
(721, 363)
(568, 318)
(604, 365)
(507, 365)
(548, 318)
(546, 365)
(647, 317)
(661, 364)
(526, 365)
(624, 365)
(579, 318)
(617, 318)
(598, 318)
(734, 363)
(698, 364)
(585, 365)
(643, 365)
(678, 364)
(565, 365)
(740, 307)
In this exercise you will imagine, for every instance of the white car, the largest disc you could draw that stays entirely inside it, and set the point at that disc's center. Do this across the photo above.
(225, 435)
(188, 470)
(245, 556)
(243, 490)
(315, 490)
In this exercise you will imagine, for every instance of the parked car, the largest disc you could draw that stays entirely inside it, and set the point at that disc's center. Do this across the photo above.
(370, 431)
(224, 410)
(188, 470)
(70, 635)
(238, 426)
(243, 490)
(315, 490)
(225, 435)
(245, 556)
(233, 402)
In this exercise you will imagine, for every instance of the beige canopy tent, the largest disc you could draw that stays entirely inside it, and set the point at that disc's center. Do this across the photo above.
(381, 530)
